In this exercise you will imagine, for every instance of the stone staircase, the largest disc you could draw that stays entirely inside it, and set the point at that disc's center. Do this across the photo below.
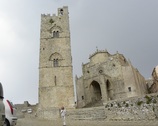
(93, 113)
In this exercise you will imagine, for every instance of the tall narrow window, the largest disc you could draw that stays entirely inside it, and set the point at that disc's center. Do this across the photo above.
(57, 63)
(57, 34)
(55, 80)
(54, 34)
(82, 97)
(54, 62)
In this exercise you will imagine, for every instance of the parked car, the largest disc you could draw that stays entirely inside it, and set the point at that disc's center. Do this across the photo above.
(2, 108)
(10, 113)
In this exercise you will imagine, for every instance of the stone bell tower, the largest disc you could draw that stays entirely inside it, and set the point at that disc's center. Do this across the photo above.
(55, 64)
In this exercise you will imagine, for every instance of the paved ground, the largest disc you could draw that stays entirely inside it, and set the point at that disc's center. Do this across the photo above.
(35, 122)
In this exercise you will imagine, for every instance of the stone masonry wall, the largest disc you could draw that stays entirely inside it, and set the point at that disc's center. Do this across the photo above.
(143, 108)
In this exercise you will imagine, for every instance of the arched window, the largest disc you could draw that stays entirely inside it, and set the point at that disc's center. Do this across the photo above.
(55, 59)
(55, 34)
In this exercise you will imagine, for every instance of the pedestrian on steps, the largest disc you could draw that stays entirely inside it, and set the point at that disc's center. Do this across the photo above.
(63, 114)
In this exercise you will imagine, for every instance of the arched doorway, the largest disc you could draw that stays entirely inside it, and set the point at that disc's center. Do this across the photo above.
(95, 91)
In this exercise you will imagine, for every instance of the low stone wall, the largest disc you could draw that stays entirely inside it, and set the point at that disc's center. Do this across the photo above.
(144, 108)
(22, 110)
(133, 109)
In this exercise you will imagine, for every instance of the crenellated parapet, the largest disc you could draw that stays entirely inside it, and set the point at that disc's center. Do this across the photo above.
(61, 11)
(55, 25)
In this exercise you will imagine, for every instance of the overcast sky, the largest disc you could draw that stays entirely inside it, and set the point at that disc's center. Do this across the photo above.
(127, 26)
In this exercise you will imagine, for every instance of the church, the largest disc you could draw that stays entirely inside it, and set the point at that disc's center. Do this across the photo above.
(108, 77)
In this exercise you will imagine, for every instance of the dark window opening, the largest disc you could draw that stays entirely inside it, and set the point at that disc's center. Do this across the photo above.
(82, 97)
(129, 89)
(124, 60)
(55, 80)
(108, 85)
(54, 62)
(100, 71)
(61, 11)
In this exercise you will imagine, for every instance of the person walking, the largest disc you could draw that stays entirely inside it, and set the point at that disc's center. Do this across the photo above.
(63, 114)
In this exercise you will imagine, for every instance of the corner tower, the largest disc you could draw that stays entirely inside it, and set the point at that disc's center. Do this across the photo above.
(55, 64)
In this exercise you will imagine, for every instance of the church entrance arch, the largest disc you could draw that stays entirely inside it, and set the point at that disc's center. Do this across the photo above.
(95, 91)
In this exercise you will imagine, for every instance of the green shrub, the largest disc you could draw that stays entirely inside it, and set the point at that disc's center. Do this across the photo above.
(111, 105)
(148, 99)
(153, 109)
(127, 105)
(139, 103)
(51, 21)
(118, 104)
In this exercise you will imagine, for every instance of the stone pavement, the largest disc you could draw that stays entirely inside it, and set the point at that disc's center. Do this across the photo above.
(36, 122)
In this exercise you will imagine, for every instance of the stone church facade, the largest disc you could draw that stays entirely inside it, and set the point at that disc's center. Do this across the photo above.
(55, 64)
(108, 77)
